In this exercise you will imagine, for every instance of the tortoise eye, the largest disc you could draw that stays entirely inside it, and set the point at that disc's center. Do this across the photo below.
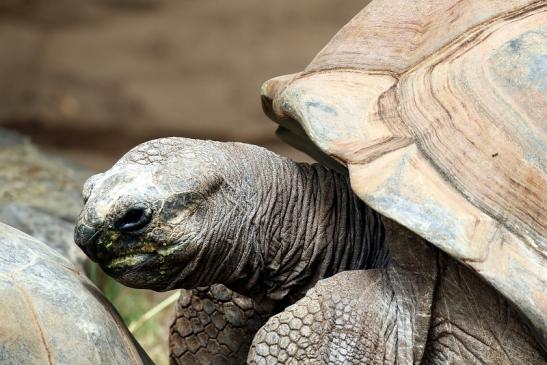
(134, 219)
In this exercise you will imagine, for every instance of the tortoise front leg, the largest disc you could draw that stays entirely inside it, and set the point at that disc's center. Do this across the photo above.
(214, 325)
(355, 317)
(395, 316)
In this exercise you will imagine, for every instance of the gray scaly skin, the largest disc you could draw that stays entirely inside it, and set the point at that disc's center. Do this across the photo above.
(228, 213)
(215, 325)
(180, 213)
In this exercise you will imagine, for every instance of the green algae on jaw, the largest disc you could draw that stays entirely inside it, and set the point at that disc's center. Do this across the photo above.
(129, 260)
(109, 240)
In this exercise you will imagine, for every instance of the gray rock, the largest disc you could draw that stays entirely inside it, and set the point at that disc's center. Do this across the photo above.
(40, 194)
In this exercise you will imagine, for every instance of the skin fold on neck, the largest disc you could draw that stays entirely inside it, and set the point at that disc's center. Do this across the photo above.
(309, 226)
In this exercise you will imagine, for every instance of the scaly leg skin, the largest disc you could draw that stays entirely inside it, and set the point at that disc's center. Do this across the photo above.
(214, 325)
(373, 317)
(354, 317)
(358, 317)
(471, 323)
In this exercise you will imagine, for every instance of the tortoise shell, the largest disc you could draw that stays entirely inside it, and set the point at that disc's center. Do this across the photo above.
(438, 111)
(52, 314)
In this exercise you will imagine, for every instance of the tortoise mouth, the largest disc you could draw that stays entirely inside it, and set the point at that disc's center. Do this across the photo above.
(130, 260)
(127, 265)
(112, 248)
(140, 270)
(141, 257)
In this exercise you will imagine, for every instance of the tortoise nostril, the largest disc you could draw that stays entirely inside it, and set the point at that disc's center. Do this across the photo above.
(134, 219)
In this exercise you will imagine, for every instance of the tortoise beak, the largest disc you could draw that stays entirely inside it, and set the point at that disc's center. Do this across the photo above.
(86, 238)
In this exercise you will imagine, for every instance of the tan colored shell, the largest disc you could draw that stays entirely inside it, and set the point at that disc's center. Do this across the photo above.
(439, 110)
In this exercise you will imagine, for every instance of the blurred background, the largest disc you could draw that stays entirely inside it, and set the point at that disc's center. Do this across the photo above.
(88, 80)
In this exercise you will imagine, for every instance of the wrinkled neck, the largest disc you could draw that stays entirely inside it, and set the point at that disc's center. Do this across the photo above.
(310, 226)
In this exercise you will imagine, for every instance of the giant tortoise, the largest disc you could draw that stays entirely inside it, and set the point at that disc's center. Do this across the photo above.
(435, 110)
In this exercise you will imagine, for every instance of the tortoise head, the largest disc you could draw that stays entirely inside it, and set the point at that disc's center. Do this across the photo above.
(159, 217)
